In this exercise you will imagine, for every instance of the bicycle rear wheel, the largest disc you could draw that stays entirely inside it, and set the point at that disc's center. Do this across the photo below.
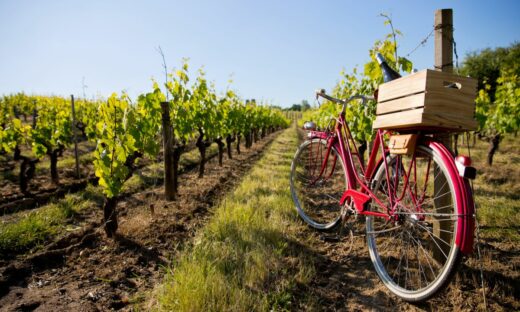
(316, 191)
(414, 254)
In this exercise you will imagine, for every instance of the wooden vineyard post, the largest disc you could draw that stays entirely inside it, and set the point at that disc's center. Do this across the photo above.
(443, 62)
(74, 135)
(169, 188)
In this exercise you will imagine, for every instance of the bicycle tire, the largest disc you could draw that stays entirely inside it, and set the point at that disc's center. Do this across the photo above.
(317, 198)
(416, 255)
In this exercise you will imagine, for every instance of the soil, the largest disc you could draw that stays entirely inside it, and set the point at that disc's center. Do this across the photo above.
(41, 188)
(85, 271)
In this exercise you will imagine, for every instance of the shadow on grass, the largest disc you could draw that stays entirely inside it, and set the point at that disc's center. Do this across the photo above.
(507, 195)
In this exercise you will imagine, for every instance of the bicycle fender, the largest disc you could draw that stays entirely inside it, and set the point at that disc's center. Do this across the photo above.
(464, 197)
(467, 241)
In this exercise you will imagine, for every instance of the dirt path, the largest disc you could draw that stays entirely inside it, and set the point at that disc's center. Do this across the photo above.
(88, 272)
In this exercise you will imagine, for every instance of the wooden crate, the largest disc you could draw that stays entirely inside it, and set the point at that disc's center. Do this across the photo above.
(428, 100)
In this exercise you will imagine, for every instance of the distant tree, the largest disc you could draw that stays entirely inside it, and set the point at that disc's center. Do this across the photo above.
(295, 107)
(299, 107)
(305, 105)
(486, 66)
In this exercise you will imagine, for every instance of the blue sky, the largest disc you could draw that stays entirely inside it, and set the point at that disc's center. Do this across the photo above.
(278, 51)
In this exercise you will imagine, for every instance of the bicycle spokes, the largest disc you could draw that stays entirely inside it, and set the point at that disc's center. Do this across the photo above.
(413, 251)
(317, 182)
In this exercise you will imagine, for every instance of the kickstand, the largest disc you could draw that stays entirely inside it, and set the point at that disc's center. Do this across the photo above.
(344, 234)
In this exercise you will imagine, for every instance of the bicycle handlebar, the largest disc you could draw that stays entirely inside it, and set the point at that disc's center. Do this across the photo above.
(364, 98)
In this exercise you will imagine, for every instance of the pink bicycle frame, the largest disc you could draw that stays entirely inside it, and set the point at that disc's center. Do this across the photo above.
(342, 140)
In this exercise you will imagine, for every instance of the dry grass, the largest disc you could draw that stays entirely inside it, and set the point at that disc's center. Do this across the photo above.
(497, 189)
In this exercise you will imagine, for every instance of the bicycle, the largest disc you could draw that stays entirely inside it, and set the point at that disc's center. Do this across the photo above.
(419, 207)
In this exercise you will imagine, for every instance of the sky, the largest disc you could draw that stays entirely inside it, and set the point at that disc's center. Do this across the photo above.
(275, 51)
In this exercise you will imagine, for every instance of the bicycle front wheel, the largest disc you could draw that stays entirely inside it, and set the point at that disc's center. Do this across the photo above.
(414, 253)
(318, 181)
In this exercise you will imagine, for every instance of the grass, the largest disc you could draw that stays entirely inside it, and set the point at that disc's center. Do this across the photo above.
(35, 227)
(247, 257)
(497, 189)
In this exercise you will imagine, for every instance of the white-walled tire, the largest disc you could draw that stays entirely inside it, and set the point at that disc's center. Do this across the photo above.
(416, 255)
(316, 197)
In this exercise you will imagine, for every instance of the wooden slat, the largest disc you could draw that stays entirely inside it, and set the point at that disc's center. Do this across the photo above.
(399, 119)
(414, 83)
(406, 103)
(418, 118)
(426, 80)
(436, 102)
(449, 121)
(436, 81)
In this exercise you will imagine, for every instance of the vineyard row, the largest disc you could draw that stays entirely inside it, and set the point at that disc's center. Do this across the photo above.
(32, 127)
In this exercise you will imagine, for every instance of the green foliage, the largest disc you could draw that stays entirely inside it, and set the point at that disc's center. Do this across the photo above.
(146, 121)
(177, 86)
(198, 106)
(124, 133)
(248, 117)
(203, 107)
(387, 48)
(53, 127)
(114, 144)
(503, 114)
(497, 103)
(12, 134)
(86, 116)
(358, 116)
(17, 104)
(230, 114)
